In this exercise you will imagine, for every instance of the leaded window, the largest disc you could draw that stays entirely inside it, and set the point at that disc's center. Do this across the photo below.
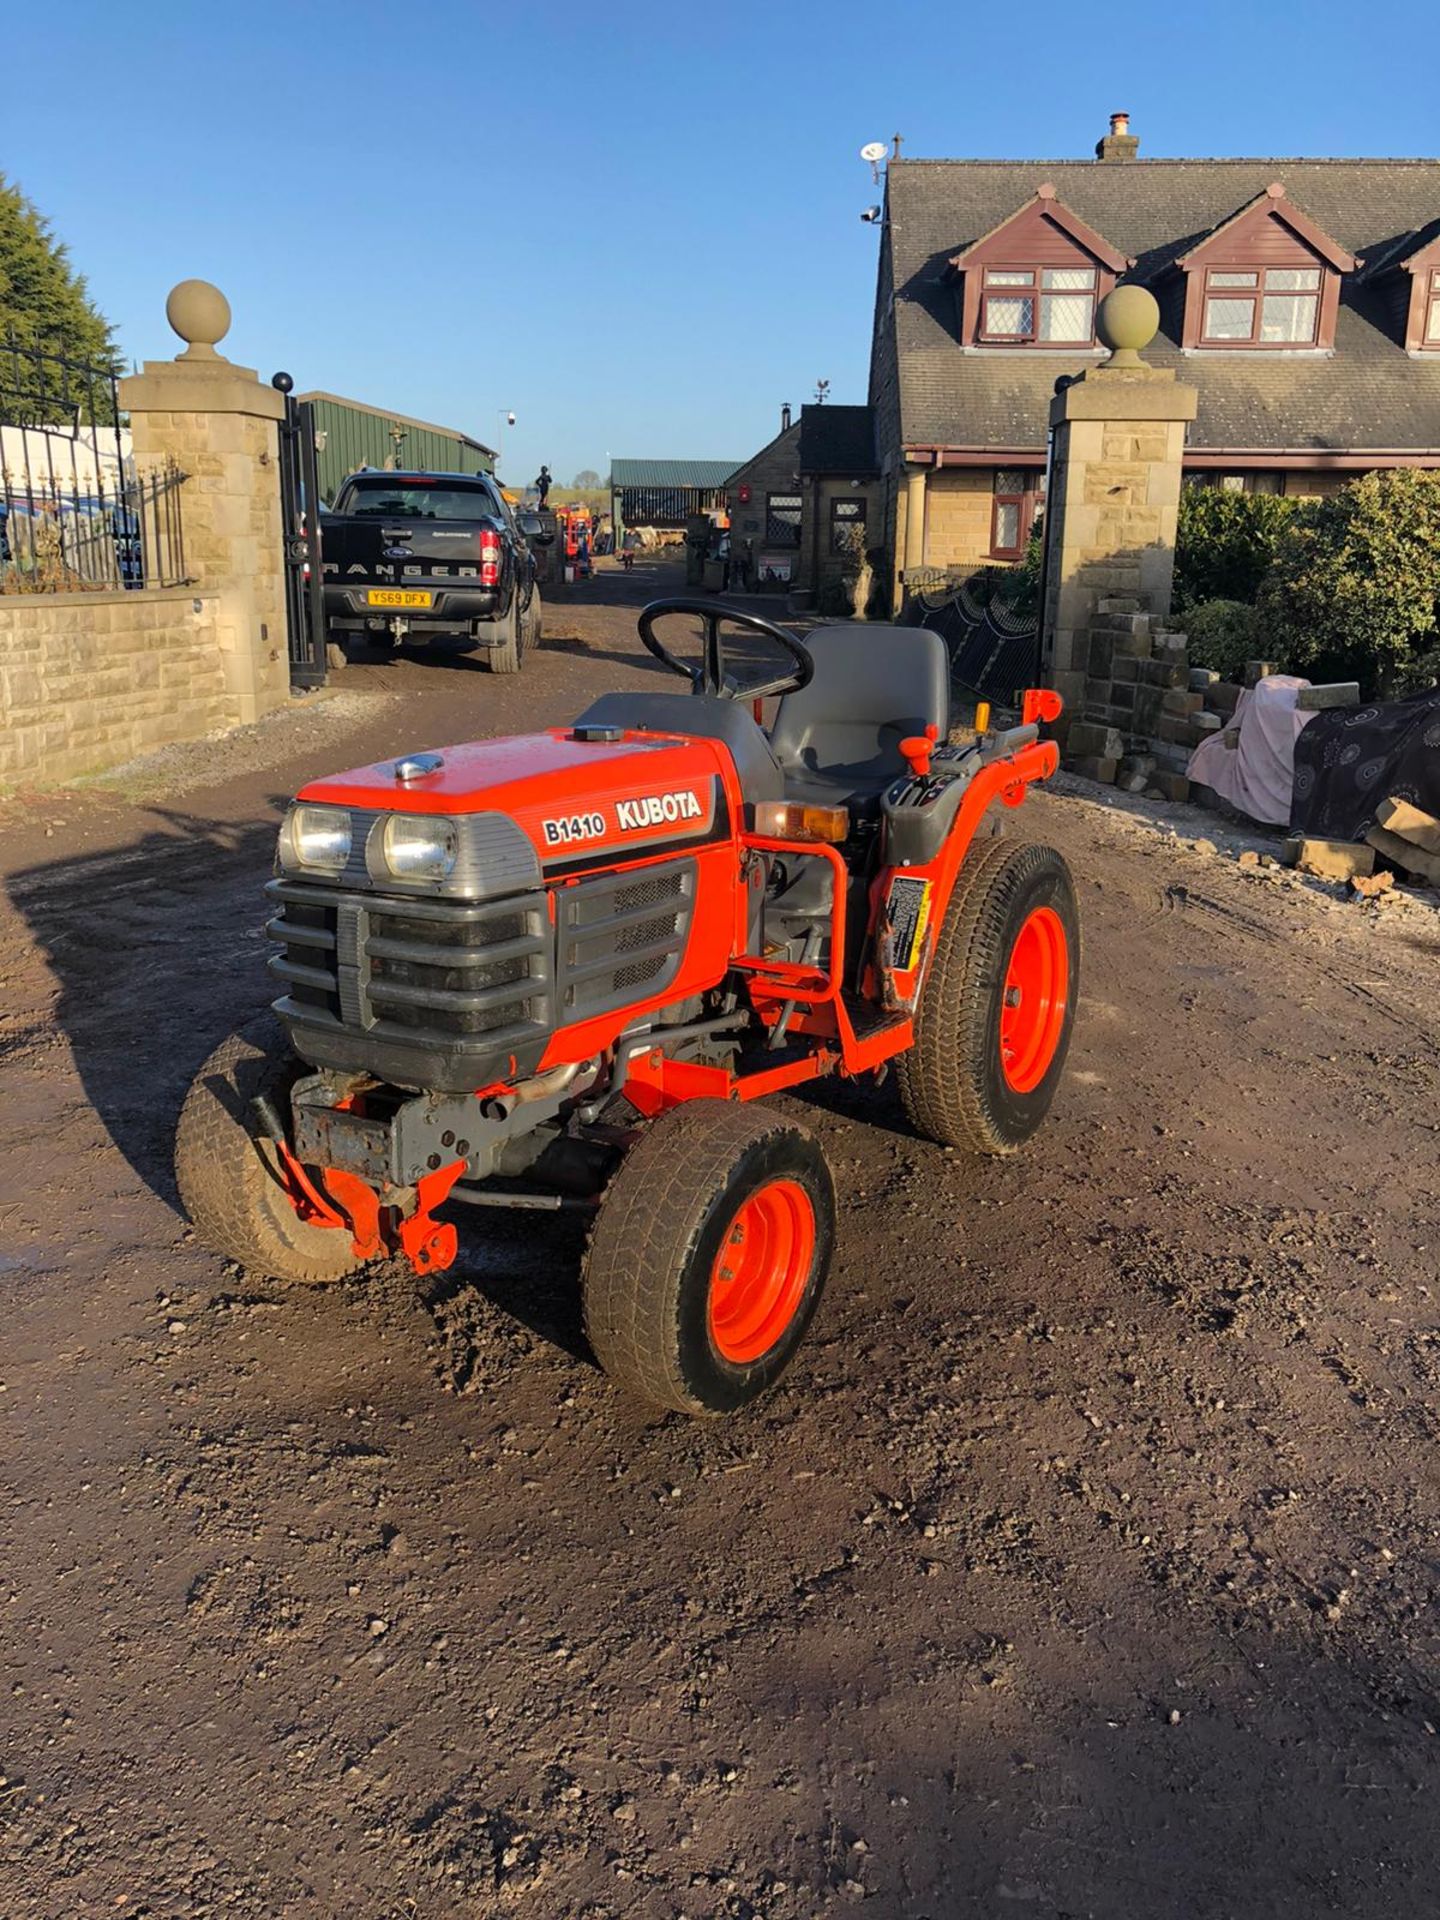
(1261, 307)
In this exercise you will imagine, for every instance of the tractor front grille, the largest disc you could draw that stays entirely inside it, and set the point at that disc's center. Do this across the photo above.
(425, 992)
(622, 936)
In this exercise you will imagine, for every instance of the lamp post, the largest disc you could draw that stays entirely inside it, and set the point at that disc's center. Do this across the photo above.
(506, 419)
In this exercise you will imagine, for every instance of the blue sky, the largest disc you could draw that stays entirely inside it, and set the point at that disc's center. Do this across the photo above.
(635, 225)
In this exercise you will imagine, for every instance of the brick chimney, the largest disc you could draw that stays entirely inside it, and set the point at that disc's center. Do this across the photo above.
(1119, 143)
(785, 417)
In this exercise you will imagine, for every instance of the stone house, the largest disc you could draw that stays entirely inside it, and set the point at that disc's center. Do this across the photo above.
(801, 498)
(764, 501)
(1301, 298)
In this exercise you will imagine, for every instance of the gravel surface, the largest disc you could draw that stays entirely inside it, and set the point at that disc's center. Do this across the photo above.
(1084, 1564)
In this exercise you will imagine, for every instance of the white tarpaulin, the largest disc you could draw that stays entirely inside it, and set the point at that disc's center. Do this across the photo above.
(1257, 775)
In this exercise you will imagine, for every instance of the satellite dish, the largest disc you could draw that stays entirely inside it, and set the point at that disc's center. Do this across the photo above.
(873, 151)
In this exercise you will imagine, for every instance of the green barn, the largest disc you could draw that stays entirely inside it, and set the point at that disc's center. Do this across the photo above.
(350, 435)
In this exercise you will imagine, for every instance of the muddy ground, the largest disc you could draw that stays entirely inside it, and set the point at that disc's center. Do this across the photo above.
(1085, 1564)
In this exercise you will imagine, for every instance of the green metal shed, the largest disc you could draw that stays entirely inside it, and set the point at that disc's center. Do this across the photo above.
(350, 435)
(663, 493)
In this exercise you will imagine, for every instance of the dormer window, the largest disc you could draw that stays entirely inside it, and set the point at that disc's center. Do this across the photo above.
(1267, 279)
(1265, 306)
(1026, 305)
(1410, 287)
(1034, 281)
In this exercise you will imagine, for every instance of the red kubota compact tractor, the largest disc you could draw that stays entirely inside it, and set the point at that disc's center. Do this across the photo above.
(563, 970)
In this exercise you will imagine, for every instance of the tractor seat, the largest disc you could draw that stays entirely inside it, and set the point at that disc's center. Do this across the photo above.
(702, 714)
(838, 740)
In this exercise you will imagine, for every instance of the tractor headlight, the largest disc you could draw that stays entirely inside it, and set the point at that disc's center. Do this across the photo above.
(420, 846)
(315, 838)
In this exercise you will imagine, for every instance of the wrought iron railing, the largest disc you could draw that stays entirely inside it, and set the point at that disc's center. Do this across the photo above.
(992, 643)
(75, 514)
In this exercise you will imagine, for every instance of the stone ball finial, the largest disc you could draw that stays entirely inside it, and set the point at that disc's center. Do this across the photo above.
(200, 314)
(1127, 320)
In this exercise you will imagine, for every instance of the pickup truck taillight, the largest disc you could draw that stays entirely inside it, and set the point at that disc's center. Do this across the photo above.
(489, 558)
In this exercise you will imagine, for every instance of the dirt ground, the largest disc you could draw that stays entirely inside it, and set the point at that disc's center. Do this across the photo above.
(1085, 1564)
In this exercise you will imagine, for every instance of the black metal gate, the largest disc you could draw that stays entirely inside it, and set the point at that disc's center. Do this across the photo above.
(993, 648)
(300, 519)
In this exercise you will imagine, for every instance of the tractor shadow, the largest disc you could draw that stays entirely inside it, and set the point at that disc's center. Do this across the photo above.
(527, 1266)
(158, 949)
(875, 1107)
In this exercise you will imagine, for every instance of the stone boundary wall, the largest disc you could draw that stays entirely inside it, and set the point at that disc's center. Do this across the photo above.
(89, 680)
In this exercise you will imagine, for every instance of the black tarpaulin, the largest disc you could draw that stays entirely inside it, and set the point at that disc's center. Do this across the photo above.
(1349, 759)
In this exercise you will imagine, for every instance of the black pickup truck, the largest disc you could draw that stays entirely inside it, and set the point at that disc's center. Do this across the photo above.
(432, 557)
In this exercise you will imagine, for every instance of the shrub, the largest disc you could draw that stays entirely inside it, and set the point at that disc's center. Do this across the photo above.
(880, 570)
(1224, 634)
(1225, 544)
(835, 598)
(1354, 591)
(1023, 589)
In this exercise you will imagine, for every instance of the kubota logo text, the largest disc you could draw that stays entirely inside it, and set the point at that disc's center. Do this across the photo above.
(657, 810)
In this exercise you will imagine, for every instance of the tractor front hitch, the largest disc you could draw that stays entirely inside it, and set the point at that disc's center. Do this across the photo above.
(377, 1225)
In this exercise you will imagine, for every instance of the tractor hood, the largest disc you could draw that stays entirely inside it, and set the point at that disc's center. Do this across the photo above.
(572, 798)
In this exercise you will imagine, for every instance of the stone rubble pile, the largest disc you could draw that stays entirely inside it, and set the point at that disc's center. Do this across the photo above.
(1146, 708)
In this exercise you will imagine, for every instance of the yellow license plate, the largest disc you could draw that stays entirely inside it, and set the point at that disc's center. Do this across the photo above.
(394, 597)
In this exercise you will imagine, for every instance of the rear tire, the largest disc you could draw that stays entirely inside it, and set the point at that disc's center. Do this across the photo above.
(505, 656)
(997, 1005)
(226, 1170)
(708, 1256)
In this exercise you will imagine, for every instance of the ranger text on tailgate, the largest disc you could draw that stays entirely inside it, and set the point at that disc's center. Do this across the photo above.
(434, 557)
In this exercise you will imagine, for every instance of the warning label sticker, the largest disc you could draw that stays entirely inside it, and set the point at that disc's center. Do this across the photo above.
(908, 913)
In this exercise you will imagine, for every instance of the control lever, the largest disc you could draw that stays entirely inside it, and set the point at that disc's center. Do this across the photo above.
(916, 749)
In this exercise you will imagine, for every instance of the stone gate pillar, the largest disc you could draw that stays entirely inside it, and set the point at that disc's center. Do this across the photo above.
(219, 424)
(1119, 441)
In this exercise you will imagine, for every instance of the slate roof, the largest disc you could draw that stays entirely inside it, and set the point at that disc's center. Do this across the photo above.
(836, 439)
(705, 474)
(1384, 259)
(1369, 394)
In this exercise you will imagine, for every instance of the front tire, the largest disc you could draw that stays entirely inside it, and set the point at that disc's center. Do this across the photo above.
(998, 1004)
(708, 1256)
(226, 1169)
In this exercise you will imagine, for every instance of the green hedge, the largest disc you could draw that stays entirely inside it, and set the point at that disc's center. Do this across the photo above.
(1224, 634)
(1345, 588)
(1354, 591)
(1226, 543)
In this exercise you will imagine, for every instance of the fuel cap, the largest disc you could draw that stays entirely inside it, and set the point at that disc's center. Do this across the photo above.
(606, 734)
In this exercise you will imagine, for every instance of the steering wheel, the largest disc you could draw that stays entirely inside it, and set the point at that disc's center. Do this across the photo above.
(710, 675)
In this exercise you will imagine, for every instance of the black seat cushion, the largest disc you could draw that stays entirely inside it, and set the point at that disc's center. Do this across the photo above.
(838, 740)
(704, 714)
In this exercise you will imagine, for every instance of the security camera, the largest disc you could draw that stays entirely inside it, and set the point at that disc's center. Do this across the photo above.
(871, 215)
(509, 419)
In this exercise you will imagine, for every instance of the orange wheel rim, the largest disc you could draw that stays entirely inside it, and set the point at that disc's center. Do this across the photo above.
(760, 1273)
(1035, 1001)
